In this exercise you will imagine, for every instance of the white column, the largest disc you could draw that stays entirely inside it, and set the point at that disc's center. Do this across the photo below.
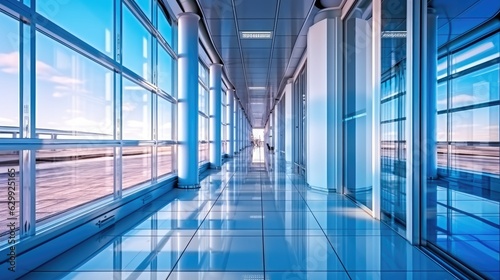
(215, 116)
(188, 101)
(288, 120)
(324, 106)
(230, 127)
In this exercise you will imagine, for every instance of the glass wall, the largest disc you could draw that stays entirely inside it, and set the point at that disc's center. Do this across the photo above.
(393, 104)
(90, 122)
(203, 114)
(224, 122)
(357, 112)
(299, 121)
(463, 203)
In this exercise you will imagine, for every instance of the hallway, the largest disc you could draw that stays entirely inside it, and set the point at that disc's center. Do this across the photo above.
(246, 222)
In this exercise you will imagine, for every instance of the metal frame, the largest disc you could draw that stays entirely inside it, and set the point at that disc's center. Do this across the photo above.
(30, 23)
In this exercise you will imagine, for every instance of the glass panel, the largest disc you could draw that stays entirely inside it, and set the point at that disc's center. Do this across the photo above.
(442, 96)
(463, 209)
(479, 125)
(78, 89)
(68, 178)
(203, 152)
(202, 99)
(145, 6)
(136, 166)
(164, 119)
(483, 51)
(165, 71)
(393, 145)
(136, 45)
(9, 76)
(477, 87)
(165, 27)
(136, 115)
(9, 187)
(100, 13)
(442, 67)
(203, 128)
(165, 160)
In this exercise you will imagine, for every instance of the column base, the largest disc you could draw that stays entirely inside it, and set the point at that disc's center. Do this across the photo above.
(196, 186)
(323, 189)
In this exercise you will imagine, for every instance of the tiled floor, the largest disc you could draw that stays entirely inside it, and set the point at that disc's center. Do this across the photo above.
(246, 222)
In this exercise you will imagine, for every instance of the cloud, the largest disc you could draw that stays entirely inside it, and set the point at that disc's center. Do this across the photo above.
(65, 80)
(82, 122)
(135, 124)
(6, 121)
(9, 62)
(58, 94)
(459, 99)
(128, 107)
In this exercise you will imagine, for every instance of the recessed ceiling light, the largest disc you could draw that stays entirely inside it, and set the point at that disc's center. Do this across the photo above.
(256, 34)
(256, 88)
(393, 34)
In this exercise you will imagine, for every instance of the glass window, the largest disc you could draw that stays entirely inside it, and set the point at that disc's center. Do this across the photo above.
(145, 6)
(476, 87)
(78, 176)
(203, 131)
(442, 96)
(202, 99)
(475, 125)
(164, 119)
(136, 45)
(80, 90)
(99, 13)
(483, 51)
(165, 27)
(442, 67)
(9, 75)
(165, 71)
(9, 186)
(136, 112)
(136, 166)
(165, 160)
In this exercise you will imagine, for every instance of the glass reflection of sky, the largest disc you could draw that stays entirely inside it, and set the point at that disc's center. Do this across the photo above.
(97, 16)
(78, 89)
(9, 71)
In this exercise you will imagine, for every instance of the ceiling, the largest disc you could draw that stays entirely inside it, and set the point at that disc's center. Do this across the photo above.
(264, 63)
(268, 63)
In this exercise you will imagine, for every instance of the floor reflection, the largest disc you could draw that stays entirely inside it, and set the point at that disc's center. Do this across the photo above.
(246, 222)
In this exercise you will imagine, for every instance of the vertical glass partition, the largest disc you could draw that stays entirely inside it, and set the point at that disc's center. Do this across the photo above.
(393, 117)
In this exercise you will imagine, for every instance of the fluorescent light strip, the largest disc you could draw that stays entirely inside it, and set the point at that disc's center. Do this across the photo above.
(393, 34)
(257, 88)
(256, 34)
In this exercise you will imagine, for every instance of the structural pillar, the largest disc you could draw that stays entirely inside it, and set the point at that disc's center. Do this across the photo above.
(288, 120)
(431, 103)
(324, 106)
(187, 106)
(230, 127)
(215, 116)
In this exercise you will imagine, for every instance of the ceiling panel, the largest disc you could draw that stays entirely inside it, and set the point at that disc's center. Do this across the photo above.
(256, 24)
(289, 26)
(217, 8)
(295, 9)
(255, 9)
(225, 27)
(258, 44)
(257, 62)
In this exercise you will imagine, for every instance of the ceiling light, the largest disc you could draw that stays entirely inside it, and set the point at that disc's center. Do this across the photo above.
(257, 88)
(393, 34)
(256, 34)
